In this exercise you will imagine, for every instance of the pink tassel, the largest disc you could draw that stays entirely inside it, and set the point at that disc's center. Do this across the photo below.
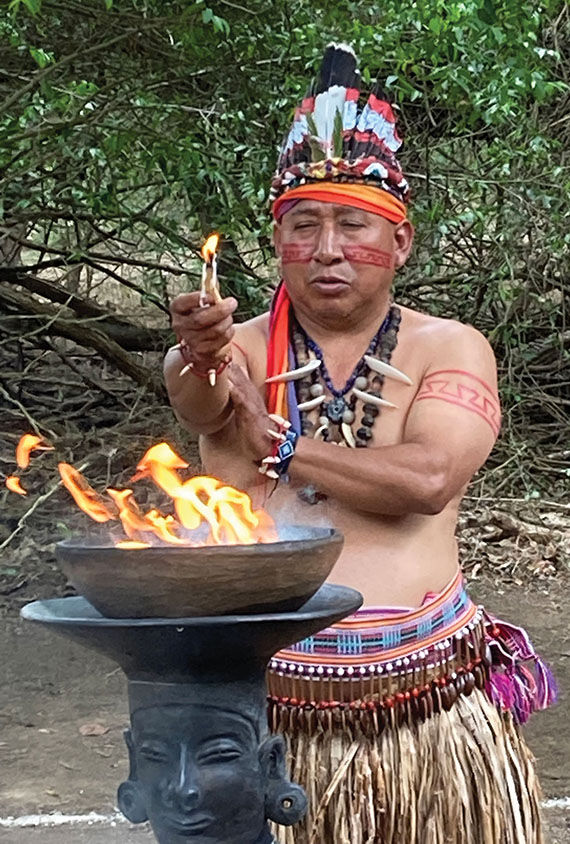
(512, 685)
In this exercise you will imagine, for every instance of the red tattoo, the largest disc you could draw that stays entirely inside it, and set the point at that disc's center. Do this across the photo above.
(368, 255)
(464, 389)
(239, 348)
(297, 253)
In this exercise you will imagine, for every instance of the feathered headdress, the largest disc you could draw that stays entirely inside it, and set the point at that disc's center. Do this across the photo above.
(336, 153)
(332, 140)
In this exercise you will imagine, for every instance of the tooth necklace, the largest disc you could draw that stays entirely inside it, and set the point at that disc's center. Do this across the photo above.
(365, 385)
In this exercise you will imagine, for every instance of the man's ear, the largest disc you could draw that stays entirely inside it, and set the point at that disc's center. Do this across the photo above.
(403, 239)
(285, 802)
(277, 235)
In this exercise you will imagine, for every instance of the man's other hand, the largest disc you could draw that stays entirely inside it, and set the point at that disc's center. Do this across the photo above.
(251, 418)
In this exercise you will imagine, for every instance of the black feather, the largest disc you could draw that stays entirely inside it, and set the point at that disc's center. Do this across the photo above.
(338, 68)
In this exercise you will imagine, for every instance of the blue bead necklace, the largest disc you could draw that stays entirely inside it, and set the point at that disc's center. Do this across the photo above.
(360, 366)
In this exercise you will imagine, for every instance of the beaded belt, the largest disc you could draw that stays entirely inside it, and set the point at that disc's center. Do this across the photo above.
(378, 657)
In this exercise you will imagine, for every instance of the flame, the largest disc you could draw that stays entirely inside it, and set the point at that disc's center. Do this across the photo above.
(14, 485)
(85, 496)
(222, 514)
(27, 444)
(209, 248)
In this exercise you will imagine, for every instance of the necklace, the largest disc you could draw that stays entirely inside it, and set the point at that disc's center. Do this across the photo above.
(340, 410)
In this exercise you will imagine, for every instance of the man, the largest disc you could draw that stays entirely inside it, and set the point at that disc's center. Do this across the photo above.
(341, 406)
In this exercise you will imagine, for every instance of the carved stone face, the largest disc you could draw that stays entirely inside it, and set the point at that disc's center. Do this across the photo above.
(199, 774)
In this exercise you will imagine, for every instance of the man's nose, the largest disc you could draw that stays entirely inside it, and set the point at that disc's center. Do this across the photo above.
(328, 249)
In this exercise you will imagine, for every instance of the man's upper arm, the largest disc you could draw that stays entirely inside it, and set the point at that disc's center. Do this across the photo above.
(456, 412)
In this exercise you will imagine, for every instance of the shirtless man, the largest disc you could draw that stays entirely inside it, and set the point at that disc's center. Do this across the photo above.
(401, 721)
(400, 494)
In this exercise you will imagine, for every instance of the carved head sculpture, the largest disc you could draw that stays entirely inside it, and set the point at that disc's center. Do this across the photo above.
(202, 772)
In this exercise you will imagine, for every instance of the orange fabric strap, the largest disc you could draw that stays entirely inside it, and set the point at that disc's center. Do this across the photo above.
(365, 197)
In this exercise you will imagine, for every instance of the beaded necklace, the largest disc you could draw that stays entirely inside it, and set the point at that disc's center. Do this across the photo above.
(340, 411)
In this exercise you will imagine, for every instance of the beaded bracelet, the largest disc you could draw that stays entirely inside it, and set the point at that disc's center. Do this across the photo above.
(191, 367)
(277, 464)
(286, 452)
(200, 374)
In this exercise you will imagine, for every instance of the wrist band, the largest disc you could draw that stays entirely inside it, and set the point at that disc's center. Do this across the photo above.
(277, 464)
(286, 452)
(200, 374)
(190, 366)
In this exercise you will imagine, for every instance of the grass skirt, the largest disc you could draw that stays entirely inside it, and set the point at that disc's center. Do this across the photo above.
(463, 776)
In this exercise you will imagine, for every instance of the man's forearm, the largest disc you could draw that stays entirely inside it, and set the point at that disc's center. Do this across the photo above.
(201, 408)
(390, 480)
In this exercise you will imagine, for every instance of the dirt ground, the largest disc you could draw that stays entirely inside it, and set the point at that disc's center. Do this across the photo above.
(63, 709)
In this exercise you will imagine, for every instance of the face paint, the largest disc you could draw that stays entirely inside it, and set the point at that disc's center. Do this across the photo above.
(368, 255)
(296, 253)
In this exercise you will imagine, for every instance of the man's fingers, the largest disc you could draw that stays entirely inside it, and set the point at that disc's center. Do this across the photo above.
(225, 328)
(239, 376)
(185, 303)
(188, 305)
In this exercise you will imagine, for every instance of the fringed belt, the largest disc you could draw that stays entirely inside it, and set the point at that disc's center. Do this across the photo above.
(411, 662)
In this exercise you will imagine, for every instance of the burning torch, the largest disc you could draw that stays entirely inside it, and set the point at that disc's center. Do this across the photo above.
(209, 286)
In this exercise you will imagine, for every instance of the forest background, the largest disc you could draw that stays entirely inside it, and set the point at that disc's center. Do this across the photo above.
(130, 129)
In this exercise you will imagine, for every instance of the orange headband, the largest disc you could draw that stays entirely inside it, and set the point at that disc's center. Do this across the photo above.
(365, 197)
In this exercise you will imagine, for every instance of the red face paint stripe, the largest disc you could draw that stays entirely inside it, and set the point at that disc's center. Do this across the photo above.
(368, 255)
(445, 387)
(292, 253)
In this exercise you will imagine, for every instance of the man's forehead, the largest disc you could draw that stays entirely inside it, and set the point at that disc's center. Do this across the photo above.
(316, 207)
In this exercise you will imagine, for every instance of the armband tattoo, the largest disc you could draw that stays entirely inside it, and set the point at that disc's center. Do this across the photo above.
(463, 389)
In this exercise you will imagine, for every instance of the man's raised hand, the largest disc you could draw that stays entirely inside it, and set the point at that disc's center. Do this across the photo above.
(206, 332)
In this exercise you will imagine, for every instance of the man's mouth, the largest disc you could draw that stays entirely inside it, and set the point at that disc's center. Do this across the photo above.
(330, 284)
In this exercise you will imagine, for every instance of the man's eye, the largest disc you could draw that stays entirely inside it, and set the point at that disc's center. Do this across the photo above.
(352, 224)
(304, 226)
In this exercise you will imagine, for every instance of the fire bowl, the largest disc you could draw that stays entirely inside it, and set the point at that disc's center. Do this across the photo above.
(186, 581)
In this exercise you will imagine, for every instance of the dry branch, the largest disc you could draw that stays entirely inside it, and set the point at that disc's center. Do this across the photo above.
(86, 334)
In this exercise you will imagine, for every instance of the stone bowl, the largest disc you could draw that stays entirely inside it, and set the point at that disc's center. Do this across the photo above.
(186, 581)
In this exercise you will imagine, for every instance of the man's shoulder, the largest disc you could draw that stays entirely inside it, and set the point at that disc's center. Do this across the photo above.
(439, 332)
(253, 331)
(250, 338)
(450, 346)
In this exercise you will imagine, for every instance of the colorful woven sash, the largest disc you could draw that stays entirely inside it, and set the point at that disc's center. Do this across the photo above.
(380, 635)
(380, 657)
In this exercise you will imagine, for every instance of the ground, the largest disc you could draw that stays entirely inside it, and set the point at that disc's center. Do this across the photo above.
(63, 710)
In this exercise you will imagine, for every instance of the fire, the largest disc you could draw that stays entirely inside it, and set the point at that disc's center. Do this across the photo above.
(14, 485)
(209, 248)
(220, 514)
(27, 444)
(85, 496)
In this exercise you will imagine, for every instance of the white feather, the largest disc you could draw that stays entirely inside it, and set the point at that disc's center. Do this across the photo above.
(327, 105)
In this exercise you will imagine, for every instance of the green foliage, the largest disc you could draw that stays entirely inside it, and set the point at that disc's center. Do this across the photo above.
(134, 127)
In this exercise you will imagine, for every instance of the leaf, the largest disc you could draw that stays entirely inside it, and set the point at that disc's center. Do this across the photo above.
(337, 135)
